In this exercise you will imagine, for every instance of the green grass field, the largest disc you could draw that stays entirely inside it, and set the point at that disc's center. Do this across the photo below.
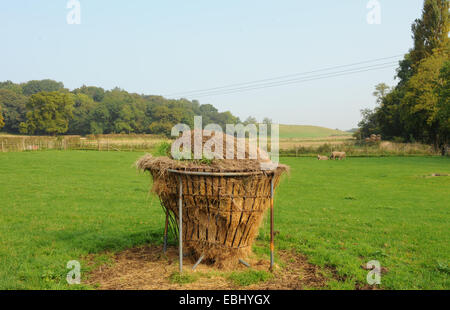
(304, 131)
(57, 206)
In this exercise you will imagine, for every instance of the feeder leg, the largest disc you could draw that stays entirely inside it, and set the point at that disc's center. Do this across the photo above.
(271, 225)
(180, 224)
(165, 231)
(243, 262)
(198, 262)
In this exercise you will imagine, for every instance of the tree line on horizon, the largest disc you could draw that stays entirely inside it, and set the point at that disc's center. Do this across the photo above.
(46, 107)
(417, 109)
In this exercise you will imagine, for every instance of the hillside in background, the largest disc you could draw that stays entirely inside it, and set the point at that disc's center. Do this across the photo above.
(305, 131)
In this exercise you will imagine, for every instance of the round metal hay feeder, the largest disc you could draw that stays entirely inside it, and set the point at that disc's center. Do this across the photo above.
(217, 214)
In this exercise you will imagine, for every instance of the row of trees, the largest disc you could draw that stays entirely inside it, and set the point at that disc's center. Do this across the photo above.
(2, 121)
(418, 107)
(46, 107)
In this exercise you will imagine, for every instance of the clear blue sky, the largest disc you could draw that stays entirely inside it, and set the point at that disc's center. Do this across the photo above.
(166, 46)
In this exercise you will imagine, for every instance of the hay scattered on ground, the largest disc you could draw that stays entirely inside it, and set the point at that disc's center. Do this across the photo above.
(147, 268)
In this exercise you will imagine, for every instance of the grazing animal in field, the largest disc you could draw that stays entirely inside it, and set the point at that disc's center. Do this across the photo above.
(373, 139)
(322, 157)
(338, 155)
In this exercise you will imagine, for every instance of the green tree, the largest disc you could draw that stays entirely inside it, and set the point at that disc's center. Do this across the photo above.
(268, 122)
(98, 111)
(227, 117)
(165, 118)
(82, 114)
(34, 87)
(100, 119)
(209, 114)
(404, 71)
(421, 100)
(389, 116)
(250, 120)
(96, 93)
(16, 88)
(416, 109)
(381, 90)
(443, 106)
(431, 30)
(126, 121)
(48, 113)
(2, 123)
(368, 125)
(14, 109)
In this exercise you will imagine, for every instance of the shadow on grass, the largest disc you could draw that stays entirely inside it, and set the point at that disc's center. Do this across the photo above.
(94, 242)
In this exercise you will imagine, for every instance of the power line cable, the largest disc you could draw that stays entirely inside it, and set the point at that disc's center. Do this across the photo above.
(280, 77)
(282, 82)
(295, 81)
(292, 82)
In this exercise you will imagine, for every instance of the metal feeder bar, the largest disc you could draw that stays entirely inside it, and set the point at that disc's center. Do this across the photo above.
(180, 210)
(198, 262)
(243, 262)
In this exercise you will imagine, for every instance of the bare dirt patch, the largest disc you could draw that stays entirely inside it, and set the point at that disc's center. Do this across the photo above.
(148, 268)
(435, 175)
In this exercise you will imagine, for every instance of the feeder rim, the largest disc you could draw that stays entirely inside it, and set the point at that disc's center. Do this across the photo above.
(220, 174)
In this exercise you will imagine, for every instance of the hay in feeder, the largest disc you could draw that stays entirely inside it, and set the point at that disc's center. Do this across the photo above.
(221, 214)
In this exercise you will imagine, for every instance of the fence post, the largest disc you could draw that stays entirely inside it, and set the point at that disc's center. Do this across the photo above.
(2, 147)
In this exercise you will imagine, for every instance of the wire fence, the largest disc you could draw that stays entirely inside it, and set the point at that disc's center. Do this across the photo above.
(353, 149)
(98, 143)
(150, 142)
